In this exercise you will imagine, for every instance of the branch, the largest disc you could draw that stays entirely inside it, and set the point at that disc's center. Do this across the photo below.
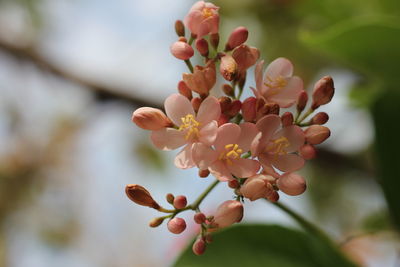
(101, 92)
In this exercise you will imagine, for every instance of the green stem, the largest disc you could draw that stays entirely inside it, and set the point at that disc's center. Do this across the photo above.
(305, 115)
(189, 65)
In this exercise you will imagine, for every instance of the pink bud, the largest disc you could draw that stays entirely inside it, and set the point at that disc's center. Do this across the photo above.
(323, 92)
(287, 119)
(273, 197)
(249, 109)
(185, 90)
(181, 50)
(316, 134)
(292, 184)
(202, 47)
(229, 212)
(199, 218)
(320, 118)
(179, 28)
(156, 222)
(245, 56)
(234, 108)
(150, 119)
(257, 186)
(204, 173)
(233, 184)
(228, 90)
(196, 102)
(223, 119)
(180, 202)
(199, 246)
(308, 151)
(302, 101)
(140, 196)
(176, 225)
(170, 198)
(225, 103)
(228, 67)
(237, 37)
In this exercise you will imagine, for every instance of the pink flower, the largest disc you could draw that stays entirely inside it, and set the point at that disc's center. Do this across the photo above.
(232, 141)
(245, 56)
(257, 186)
(292, 184)
(278, 85)
(202, 19)
(181, 50)
(191, 127)
(228, 213)
(275, 146)
(202, 79)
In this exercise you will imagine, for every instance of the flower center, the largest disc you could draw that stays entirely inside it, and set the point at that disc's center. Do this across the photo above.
(207, 12)
(276, 84)
(232, 151)
(278, 146)
(190, 124)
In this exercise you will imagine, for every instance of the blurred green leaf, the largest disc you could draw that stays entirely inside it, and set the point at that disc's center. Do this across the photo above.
(376, 221)
(150, 157)
(264, 245)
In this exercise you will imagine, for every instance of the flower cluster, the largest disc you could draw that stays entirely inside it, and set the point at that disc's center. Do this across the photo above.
(249, 144)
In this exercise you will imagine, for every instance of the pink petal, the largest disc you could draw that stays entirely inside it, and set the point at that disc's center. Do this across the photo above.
(267, 125)
(288, 162)
(243, 168)
(209, 110)
(220, 171)
(288, 95)
(279, 67)
(295, 136)
(168, 138)
(193, 20)
(248, 132)
(208, 133)
(184, 158)
(227, 134)
(203, 155)
(177, 106)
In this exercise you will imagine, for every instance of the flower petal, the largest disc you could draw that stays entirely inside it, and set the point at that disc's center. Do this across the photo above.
(184, 158)
(168, 138)
(279, 67)
(248, 132)
(295, 136)
(209, 110)
(203, 155)
(243, 168)
(288, 95)
(208, 133)
(227, 134)
(267, 125)
(288, 162)
(177, 106)
(220, 171)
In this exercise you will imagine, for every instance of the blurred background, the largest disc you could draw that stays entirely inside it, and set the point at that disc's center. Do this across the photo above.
(72, 72)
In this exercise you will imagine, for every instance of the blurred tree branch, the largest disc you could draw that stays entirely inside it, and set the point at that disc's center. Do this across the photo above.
(102, 92)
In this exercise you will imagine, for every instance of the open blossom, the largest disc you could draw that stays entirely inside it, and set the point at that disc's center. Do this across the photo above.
(245, 56)
(202, 19)
(191, 127)
(275, 146)
(278, 85)
(231, 143)
(202, 79)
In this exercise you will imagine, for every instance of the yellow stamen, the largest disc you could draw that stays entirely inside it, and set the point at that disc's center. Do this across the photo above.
(275, 85)
(207, 12)
(190, 124)
(232, 152)
(278, 146)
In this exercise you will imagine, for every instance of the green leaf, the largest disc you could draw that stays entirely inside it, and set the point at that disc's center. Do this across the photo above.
(264, 245)
(368, 44)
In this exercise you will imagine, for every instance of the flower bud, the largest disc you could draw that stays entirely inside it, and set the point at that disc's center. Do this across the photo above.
(245, 56)
(228, 67)
(234, 108)
(287, 119)
(204, 173)
(225, 103)
(307, 151)
(185, 90)
(302, 101)
(292, 184)
(202, 79)
(257, 186)
(316, 134)
(180, 202)
(156, 222)
(181, 50)
(170, 198)
(223, 119)
(237, 37)
(320, 118)
(270, 108)
(196, 102)
(249, 109)
(229, 212)
(202, 47)
(150, 119)
(140, 196)
(179, 28)
(199, 218)
(199, 246)
(323, 92)
(214, 40)
(273, 197)
(228, 90)
(176, 225)
(233, 184)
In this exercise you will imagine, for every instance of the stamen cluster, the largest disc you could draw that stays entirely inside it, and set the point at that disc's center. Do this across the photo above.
(250, 144)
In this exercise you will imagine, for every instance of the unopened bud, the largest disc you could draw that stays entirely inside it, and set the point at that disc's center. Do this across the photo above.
(199, 246)
(223, 119)
(273, 197)
(307, 151)
(214, 40)
(245, 56)
(170, 198)
(140, 196)
(176, 225)
(270, 108)
(229, 212)
(181, 50)
(150, 119)
(225, 103)
(292, 184)
(228, 67)
(287, 119)
(204, 173)
(316, 134)
(182, 39)
(249, 109)
(237, 37)
(302, 101)
(233, 184)
(257, 186)
(202, 47)
(320, 118)
(199, 218)
(196, 102)
(323, 92)
(180, 202)
(185, 90)
(228, 90)
(179, 28)
(234, 108)
(156, 222)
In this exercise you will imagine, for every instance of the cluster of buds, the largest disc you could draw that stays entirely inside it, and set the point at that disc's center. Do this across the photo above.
(251, 144)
